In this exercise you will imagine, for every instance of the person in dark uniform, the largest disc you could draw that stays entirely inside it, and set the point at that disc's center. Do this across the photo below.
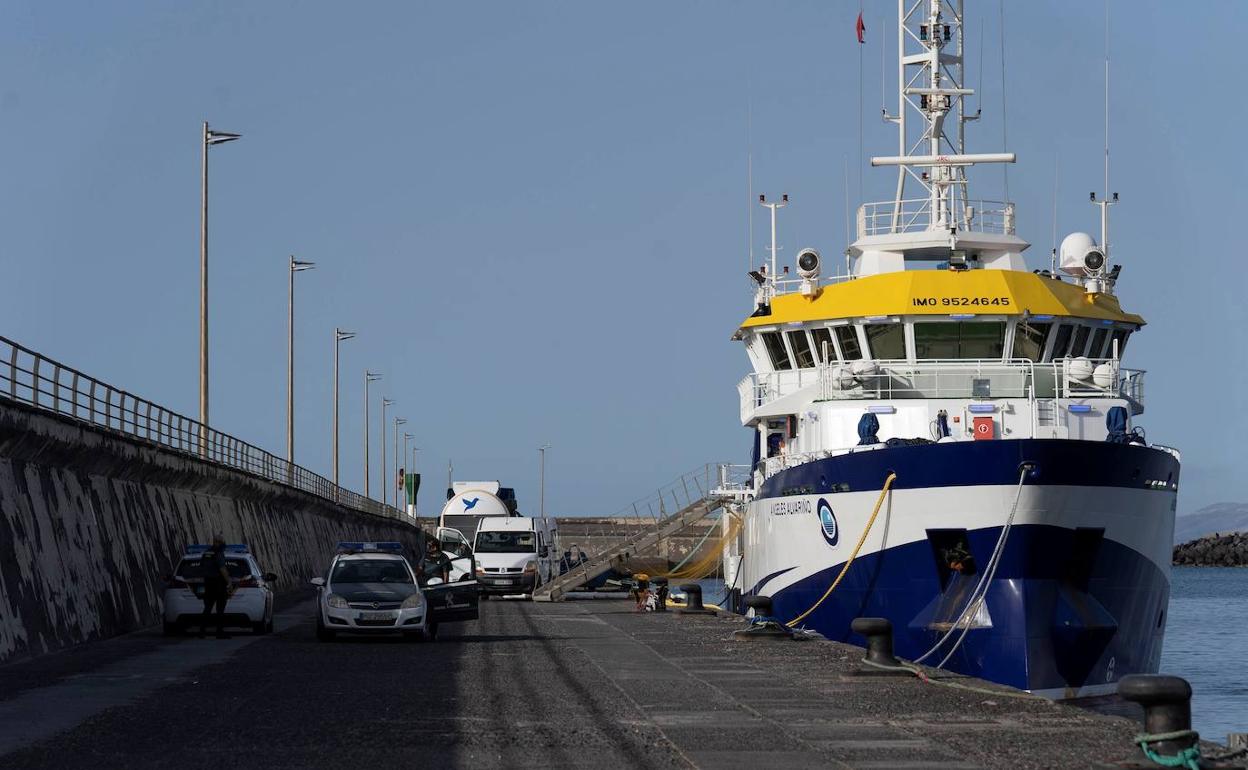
(436, 564)
(217, 586)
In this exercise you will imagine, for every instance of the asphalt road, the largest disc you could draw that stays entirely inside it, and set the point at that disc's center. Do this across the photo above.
(570, 685)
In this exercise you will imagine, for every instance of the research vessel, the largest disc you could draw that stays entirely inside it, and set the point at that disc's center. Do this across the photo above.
(948, 439)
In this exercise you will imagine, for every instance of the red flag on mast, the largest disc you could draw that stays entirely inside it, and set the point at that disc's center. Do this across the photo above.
(861, 28)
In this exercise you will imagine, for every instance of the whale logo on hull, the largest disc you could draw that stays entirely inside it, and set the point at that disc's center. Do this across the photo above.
(827, 523)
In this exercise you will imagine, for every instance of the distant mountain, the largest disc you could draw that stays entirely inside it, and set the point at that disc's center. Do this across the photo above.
(1219, 517)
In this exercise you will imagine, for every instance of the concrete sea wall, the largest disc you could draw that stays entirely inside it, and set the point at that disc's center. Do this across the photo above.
(593, 534)
(91, 522)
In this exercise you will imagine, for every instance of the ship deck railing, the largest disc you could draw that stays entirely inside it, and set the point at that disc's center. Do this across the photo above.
(941, 379)
(915, 215)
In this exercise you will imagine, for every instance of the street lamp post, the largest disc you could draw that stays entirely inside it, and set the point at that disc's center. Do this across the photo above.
(339, 337)
(210, 138)
(542, 495)
(397, 458)
(385, 494)
(406, 438)
(416, 496)
(295, 267)
(369, 378)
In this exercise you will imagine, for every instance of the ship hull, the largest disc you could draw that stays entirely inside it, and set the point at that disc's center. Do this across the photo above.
(1078, 599)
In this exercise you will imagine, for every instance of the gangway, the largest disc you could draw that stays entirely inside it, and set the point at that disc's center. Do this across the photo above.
(709, 493)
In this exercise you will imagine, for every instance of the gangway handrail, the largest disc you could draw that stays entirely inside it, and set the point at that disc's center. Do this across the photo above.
(31, 378)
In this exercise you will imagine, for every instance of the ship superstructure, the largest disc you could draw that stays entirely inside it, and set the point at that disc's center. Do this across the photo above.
(1025, 533)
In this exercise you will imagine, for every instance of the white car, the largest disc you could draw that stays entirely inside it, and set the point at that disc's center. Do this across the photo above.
(371, 588)
(251, 605)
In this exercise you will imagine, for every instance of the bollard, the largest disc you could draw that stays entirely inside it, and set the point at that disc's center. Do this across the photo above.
(660, 592)
(879, 635)
(1167, 702)
(693, 600)
(761, 604)
(763, 627)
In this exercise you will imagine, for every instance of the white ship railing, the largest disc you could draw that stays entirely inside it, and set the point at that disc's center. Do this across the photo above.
(915, 215)
(929, 379)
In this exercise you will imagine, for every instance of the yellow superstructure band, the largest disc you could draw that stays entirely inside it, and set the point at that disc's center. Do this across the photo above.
(945, 292)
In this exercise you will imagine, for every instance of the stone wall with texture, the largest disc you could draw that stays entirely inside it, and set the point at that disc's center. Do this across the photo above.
(91, 522)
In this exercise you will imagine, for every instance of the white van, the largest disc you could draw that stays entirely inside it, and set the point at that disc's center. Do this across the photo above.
(515, 554)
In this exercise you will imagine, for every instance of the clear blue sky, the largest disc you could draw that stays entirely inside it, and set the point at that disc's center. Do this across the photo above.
(534, 214)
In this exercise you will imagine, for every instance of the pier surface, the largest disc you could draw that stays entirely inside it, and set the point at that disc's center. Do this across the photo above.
(568, 685)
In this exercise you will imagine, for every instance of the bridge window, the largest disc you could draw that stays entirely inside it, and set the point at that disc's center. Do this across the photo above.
(1081, 341)
(1120, 335)
(775, 349)
(801, 350)
(847, 337)
(1098, 343)
(1029, 339)
(1061, 341)
(958, 339)
(887, 342)
(823, 342)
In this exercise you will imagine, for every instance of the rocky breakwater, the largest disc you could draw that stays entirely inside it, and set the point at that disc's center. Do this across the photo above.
(1228, 549)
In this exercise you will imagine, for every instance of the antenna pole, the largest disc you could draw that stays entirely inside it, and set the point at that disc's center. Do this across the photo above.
(901, 111)
(849, 237)
(784, 201)
(1107, 199)
(1105, 204)
(1053, 253)
(749, 172)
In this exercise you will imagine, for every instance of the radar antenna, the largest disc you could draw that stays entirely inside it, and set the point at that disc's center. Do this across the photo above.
(930, 59)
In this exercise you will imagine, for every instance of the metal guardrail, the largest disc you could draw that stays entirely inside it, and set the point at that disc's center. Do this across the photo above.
(915, 215)
(27, 377)
(1016, 378)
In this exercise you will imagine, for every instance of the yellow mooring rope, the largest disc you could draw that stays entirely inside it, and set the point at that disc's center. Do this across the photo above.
(708, 563)
(888, 483)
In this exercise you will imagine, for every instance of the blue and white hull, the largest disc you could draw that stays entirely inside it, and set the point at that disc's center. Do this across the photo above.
(1080, 594)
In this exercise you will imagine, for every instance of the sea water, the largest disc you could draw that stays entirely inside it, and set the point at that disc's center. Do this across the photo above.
(1206, 643)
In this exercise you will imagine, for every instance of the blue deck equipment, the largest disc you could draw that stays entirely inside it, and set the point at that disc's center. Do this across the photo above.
(868, 427)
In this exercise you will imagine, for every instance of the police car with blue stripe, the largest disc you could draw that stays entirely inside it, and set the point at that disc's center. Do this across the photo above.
(249, 606)
(371, 588)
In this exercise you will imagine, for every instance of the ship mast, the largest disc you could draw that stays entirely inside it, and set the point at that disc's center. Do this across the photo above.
(931, 91)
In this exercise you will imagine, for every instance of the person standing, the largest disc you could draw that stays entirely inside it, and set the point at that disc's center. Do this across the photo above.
(434, 565)
(217, 586)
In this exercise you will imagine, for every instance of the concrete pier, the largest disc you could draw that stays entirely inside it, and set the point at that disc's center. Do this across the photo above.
(564, 685)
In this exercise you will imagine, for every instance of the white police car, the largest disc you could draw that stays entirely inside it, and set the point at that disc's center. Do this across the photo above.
(251, 605)
(371, 588)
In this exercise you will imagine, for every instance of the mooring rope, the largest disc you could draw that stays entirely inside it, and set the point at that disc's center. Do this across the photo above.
(888, 484)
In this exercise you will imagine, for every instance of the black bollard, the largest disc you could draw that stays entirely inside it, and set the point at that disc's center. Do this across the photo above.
(1167, 702)
(758, 630)
(660, 594)
(879, 634)
(761, 604)
(693, 600)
